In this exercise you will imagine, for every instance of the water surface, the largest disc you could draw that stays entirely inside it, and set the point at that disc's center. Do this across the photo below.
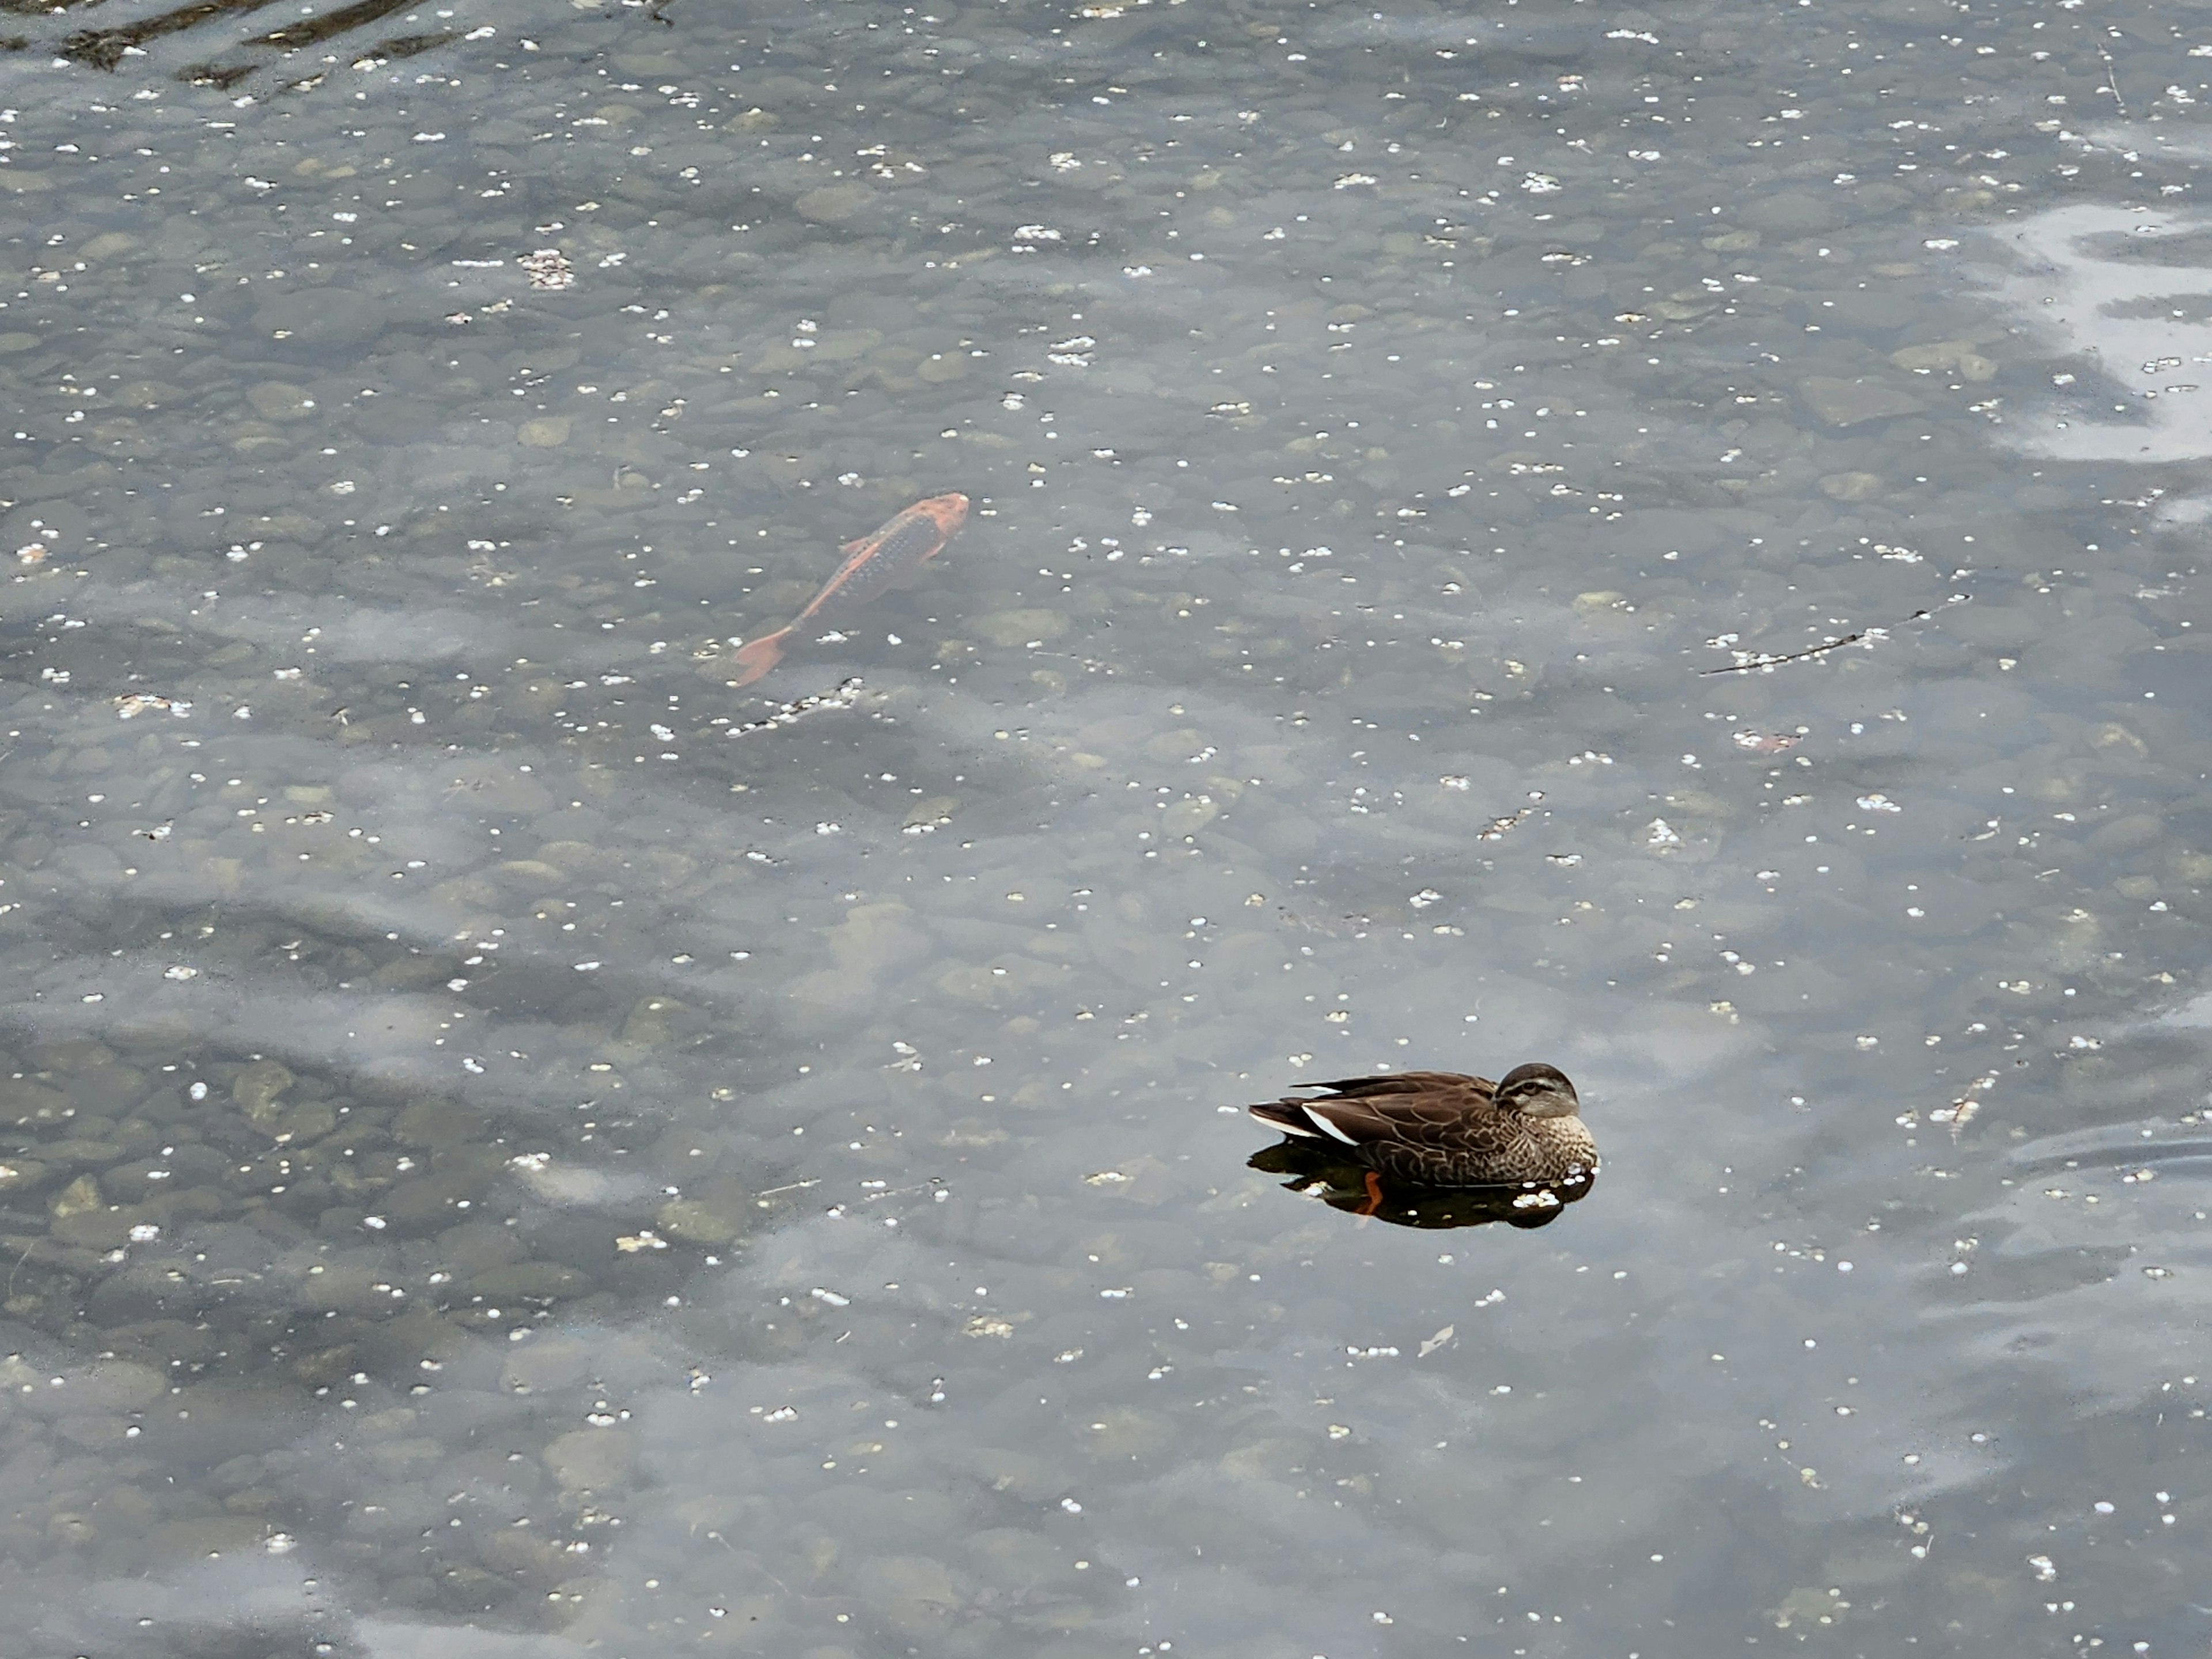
(518, 1146)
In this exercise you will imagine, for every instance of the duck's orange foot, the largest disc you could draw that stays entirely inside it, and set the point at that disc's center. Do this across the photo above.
(1374, 1195)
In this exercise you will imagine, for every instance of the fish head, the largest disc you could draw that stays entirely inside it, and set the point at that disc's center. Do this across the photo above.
(1537, 1090)
(947, 512)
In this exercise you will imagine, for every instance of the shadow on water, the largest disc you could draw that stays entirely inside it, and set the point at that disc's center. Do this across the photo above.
(1357, 1190)
(266, 1251)
(106, 48)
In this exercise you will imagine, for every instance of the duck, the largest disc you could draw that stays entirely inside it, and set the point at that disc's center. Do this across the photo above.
(1446, 1129)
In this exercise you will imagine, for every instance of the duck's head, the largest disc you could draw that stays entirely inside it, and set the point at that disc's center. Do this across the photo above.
(1537, 1090)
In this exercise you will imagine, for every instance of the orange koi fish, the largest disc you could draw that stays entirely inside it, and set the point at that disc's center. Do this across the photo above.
(872, 563)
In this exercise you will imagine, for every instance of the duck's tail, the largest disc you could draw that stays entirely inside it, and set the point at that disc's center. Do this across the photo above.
(754, 660)
(1292, 1117)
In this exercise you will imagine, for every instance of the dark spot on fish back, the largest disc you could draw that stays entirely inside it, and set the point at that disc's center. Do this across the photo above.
(909, 543)
(895, 558)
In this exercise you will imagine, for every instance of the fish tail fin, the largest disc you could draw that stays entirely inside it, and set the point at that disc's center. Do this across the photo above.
(754, 660)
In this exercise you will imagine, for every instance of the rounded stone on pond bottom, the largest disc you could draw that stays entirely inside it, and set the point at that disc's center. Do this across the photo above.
(1852, 403)
(1793, 213)
(81, 1196)
(533, 1280)
(550, 1362)
(711, 1219)
(1850, 486)
(202, 1535)
(1016, 629)
(101, 1230)
(18, 1174)
(833, 203)
(910, 1588)
(257, 1089)
(310, 1121)
(1946, 357)
(279, 400)
(591, 1460)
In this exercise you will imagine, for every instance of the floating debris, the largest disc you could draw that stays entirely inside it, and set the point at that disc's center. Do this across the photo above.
(548, 269)
(133, 705)
(846, 694)
(1963, 1110)
(1767, 743)
(1749, 661)
(1498, 829)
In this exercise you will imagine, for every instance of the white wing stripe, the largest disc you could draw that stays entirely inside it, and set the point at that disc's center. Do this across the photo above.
(1329, 1127)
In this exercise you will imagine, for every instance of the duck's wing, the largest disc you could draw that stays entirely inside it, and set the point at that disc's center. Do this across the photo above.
(1417, 1108)
(1441, 1085)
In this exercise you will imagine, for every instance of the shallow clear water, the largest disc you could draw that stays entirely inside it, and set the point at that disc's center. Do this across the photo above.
(517, 1146)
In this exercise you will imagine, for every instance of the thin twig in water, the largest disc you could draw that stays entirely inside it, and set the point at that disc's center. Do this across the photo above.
(2112, 78)
(791, 1186)
(1756, 661)
(18, 1267)
(1764, 661)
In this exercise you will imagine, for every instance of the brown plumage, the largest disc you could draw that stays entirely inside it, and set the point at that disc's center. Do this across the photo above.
(1445, 1129)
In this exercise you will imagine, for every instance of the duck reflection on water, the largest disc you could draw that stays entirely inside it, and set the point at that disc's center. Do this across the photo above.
(1437, 1149)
